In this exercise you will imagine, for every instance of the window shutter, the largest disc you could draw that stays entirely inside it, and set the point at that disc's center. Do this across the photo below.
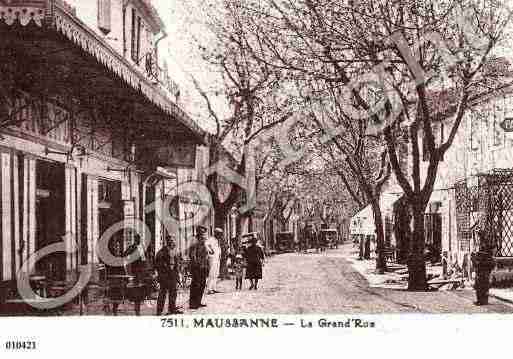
(104, 16)
(133, 42)
(138, 39)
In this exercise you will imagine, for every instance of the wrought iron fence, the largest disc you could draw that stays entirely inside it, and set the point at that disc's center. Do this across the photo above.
(486, 205)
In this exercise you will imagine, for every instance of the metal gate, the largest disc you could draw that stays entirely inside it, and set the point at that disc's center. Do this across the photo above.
(487, 205)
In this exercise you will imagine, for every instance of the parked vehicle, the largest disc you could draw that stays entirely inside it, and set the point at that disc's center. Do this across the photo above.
(328, 238)
(284, 242)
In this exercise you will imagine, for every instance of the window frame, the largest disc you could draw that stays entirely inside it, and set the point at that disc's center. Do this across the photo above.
(104, 16)
(133, 36)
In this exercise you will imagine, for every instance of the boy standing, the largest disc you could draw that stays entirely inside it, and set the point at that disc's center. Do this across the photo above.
(238, 270)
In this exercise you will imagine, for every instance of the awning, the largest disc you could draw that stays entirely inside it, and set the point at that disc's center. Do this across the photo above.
(47, 34)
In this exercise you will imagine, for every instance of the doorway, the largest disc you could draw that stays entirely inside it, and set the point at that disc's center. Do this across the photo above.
(110, 212)
(50, 217)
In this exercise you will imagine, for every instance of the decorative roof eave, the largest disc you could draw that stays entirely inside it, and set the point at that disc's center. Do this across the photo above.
(22, 15)
(73, 29)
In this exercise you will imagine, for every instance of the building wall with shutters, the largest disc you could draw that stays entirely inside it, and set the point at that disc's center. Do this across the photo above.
(101, 14)
(17, 205)
(110, 20)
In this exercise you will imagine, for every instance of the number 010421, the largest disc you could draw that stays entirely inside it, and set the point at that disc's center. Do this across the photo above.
(20, 345)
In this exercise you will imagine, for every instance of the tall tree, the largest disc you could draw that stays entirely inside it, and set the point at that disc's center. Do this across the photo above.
(251, 91)
(389, 60)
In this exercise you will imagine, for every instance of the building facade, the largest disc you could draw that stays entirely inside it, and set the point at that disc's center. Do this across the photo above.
(473, 187)
(90, 130)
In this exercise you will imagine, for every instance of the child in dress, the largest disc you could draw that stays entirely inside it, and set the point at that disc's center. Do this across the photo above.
(238, 269)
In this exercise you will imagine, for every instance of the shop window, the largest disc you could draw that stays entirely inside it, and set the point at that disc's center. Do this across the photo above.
(110, 212)
(104, 16)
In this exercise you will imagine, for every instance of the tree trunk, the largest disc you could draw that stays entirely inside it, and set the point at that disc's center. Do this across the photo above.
(238, 225)
(416, 263)
(250, 223)
(361, 253)
(220, 217)
(381, 263)
(402, 230)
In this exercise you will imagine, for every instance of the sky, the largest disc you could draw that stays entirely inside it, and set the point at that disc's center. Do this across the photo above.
(183, 20)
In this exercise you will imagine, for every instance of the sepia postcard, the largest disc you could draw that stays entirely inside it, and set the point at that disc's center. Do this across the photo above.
(311, 168)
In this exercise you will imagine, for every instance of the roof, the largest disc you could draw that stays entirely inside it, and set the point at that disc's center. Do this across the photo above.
(444, 102)
(363, 221)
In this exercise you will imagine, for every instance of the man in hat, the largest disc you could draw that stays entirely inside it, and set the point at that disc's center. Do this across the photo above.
(166, 264)
(214, 258)
(225, 252)
(199, 268)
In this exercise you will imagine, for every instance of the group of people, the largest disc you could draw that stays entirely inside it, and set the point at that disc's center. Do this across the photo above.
(248, 262)
(204, 256)
(207, 255)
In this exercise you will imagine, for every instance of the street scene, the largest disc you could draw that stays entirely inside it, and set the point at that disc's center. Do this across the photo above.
(327, 284)
(170, 158)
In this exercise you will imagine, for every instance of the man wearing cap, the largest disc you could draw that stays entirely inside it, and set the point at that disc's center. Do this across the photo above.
(214, 259)
(199, 268)
(166, 264)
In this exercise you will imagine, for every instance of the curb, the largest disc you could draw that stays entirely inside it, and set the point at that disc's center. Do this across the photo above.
(506, 300)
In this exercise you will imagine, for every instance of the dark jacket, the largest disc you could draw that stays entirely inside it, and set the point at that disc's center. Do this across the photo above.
(166, 265)
(136, 267)
(199, 255)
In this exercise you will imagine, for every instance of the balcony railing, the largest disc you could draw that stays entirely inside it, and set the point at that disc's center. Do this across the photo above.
(159, 75)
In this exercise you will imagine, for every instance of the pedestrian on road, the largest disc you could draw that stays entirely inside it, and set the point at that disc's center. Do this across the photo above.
(199, 268)
(167, 262)
(239, 267)
(254, 260)
(214, 260)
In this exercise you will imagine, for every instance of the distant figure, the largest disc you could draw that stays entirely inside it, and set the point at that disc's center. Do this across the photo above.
(255, 260)
(239, 267)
